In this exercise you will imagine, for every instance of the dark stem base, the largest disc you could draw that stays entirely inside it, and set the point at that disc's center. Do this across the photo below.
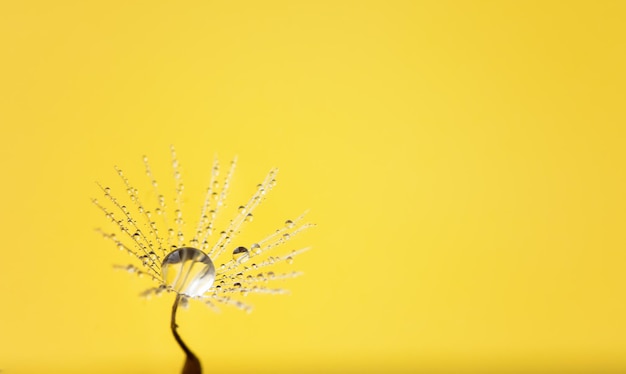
(192, 364)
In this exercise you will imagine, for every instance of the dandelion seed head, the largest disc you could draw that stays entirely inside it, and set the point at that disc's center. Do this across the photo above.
(198, 258)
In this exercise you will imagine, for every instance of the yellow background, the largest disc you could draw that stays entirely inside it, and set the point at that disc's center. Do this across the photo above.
(463, 160)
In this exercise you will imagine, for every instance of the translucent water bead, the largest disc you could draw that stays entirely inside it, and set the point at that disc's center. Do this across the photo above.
(188, 271)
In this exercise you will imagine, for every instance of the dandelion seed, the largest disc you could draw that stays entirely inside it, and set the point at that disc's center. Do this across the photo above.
(190, 271)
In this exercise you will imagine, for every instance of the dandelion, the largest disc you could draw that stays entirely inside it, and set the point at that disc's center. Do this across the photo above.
(198, 260)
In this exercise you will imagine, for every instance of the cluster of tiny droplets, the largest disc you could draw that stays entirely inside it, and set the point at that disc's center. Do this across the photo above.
(242, 270)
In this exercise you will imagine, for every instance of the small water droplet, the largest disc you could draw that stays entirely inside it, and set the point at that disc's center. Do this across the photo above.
(184, 302)
(249, 217)
(286, 236)
(107, 190)
(237, 285)
(145, 260)
(289, 260)
(289, 224)
(241, 209)
(241, 254)
(255, 248)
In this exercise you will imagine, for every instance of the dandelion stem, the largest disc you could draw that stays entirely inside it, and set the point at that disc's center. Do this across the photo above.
(192, 364)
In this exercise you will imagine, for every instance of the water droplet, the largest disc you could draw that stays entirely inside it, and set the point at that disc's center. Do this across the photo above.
(241, 209)
(255, 248)
(124, 209)
(289, 224)
(237, 285)
(145, 260)
(188, 271)
(271, 275)
(107, 190)
(289, 260)
(184, 302)
(286, 236)
(241, 254)
(249, 217)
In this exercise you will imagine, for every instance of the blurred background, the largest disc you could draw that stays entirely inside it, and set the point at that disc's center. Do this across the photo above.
(463, 162)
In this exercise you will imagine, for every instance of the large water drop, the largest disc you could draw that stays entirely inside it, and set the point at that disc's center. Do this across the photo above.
(188, 271)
